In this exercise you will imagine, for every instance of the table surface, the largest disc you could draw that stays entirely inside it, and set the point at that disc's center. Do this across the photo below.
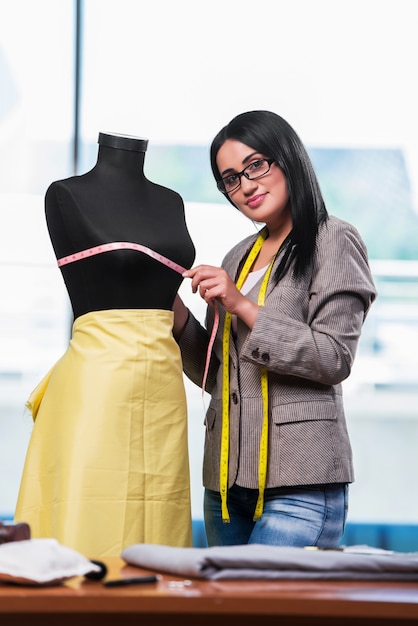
(173, 595)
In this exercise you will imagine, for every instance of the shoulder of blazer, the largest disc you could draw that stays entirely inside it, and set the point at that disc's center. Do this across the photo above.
(334, 225)
(335, 232)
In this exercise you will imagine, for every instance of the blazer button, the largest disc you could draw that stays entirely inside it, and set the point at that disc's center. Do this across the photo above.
(256, 353)
(234, 398)
(266, 357)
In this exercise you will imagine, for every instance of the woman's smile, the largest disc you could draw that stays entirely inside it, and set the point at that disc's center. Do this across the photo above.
(255, 201)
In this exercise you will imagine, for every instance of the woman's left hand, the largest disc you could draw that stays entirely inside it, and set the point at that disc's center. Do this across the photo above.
(213, 283)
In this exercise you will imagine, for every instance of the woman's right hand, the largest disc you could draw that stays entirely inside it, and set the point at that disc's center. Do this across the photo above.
(214, 283)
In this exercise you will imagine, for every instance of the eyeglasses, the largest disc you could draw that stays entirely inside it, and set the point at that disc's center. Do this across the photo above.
(254, 170)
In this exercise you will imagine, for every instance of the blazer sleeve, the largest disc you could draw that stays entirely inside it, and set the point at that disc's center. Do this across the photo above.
(322, 345)
(194, 343)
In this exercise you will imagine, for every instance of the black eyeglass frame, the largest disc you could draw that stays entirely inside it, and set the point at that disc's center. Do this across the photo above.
(221, 185)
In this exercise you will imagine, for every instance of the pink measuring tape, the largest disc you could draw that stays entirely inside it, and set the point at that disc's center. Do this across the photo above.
(127, 245)
(120, 245)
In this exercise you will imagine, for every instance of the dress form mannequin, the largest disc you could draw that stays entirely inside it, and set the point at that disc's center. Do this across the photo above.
(107, 463)
(115, 202)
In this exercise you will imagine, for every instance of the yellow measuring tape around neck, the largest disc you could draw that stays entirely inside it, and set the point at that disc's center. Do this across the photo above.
(224, 458)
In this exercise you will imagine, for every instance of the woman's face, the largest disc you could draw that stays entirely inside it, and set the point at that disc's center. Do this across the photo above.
(264, 199)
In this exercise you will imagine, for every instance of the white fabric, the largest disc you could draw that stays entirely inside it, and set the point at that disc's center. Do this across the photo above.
(41, 562)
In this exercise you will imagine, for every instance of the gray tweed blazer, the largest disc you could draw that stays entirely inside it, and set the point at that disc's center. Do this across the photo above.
(306, 335)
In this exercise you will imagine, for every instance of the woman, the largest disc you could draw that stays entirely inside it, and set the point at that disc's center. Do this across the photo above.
(291, 303)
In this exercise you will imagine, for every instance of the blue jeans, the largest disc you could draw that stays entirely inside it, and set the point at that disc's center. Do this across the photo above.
(311, 515)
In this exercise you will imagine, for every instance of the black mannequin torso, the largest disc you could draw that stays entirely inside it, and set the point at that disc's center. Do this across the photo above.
(115, 202)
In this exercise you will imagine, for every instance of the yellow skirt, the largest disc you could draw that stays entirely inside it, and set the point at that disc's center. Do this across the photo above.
(107, 464)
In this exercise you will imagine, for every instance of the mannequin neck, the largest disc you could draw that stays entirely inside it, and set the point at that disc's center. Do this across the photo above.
(121, 159)
(123, 142)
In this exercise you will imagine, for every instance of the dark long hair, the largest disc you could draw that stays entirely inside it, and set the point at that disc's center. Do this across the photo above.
(272, 136)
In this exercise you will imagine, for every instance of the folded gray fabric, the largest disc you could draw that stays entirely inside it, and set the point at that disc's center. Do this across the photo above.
(274, 562)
